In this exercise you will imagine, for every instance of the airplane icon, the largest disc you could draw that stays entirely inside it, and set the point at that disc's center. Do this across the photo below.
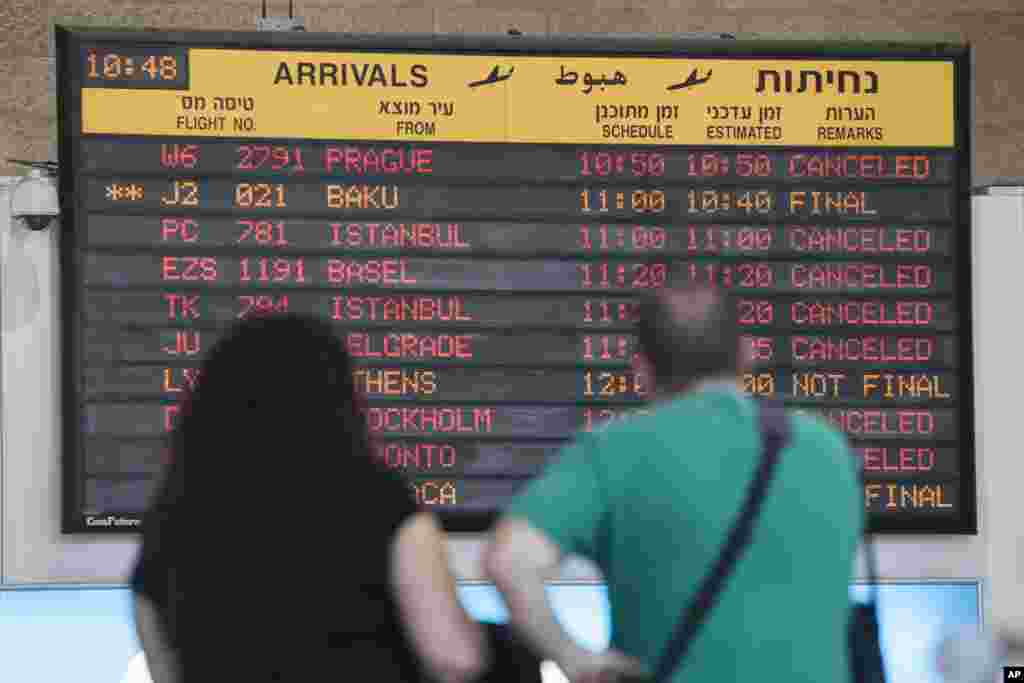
(493, 77)
(691, 80)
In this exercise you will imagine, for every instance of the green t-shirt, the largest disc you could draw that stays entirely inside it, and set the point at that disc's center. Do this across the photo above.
(651, 499)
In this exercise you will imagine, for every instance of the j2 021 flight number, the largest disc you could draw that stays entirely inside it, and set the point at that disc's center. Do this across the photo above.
(260, 196)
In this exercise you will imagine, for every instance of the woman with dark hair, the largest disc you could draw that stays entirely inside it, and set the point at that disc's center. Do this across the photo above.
(306, 559)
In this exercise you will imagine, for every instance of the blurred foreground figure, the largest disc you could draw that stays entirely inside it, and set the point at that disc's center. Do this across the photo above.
(973, 656)
(306, 560)
(651, 499)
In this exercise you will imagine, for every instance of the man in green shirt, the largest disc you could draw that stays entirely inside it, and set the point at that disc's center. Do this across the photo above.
(651, 499)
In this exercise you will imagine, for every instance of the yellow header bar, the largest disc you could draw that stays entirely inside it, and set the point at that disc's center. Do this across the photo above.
(582, 100)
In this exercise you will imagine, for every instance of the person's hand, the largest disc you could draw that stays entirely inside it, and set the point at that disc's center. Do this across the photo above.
(610, 666)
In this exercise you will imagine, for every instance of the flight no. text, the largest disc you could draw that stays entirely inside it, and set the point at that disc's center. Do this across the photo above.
(200, 116)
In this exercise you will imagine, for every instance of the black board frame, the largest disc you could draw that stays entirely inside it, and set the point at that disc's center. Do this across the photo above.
(68, 41)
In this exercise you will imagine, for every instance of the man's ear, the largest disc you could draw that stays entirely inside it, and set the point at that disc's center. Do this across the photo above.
(748, 352)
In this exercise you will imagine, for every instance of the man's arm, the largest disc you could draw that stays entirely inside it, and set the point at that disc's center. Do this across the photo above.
(526, 548)
(519, 559)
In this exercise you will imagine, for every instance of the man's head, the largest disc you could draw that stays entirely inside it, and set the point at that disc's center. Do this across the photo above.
(687, 334)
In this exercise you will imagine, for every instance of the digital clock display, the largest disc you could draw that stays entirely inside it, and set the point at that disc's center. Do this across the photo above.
(478, 224)
(133, 67)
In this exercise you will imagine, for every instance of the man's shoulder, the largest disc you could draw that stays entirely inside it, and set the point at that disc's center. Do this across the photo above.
(815, 427)
(816, 438)
(694, 414)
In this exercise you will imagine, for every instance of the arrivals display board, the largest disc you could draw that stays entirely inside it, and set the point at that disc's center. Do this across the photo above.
(477, 216)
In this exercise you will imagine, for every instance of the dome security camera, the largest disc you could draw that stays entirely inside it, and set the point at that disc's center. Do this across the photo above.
(34, 200)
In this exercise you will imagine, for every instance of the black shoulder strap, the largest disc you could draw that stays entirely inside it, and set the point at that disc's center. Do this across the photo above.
(774, 429)
(870, 560)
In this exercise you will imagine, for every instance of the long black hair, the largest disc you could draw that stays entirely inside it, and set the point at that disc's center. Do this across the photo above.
(272, 381)
(280, 454)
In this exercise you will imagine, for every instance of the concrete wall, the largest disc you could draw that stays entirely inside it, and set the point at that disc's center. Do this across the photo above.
(998, 244)
(33, 550)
